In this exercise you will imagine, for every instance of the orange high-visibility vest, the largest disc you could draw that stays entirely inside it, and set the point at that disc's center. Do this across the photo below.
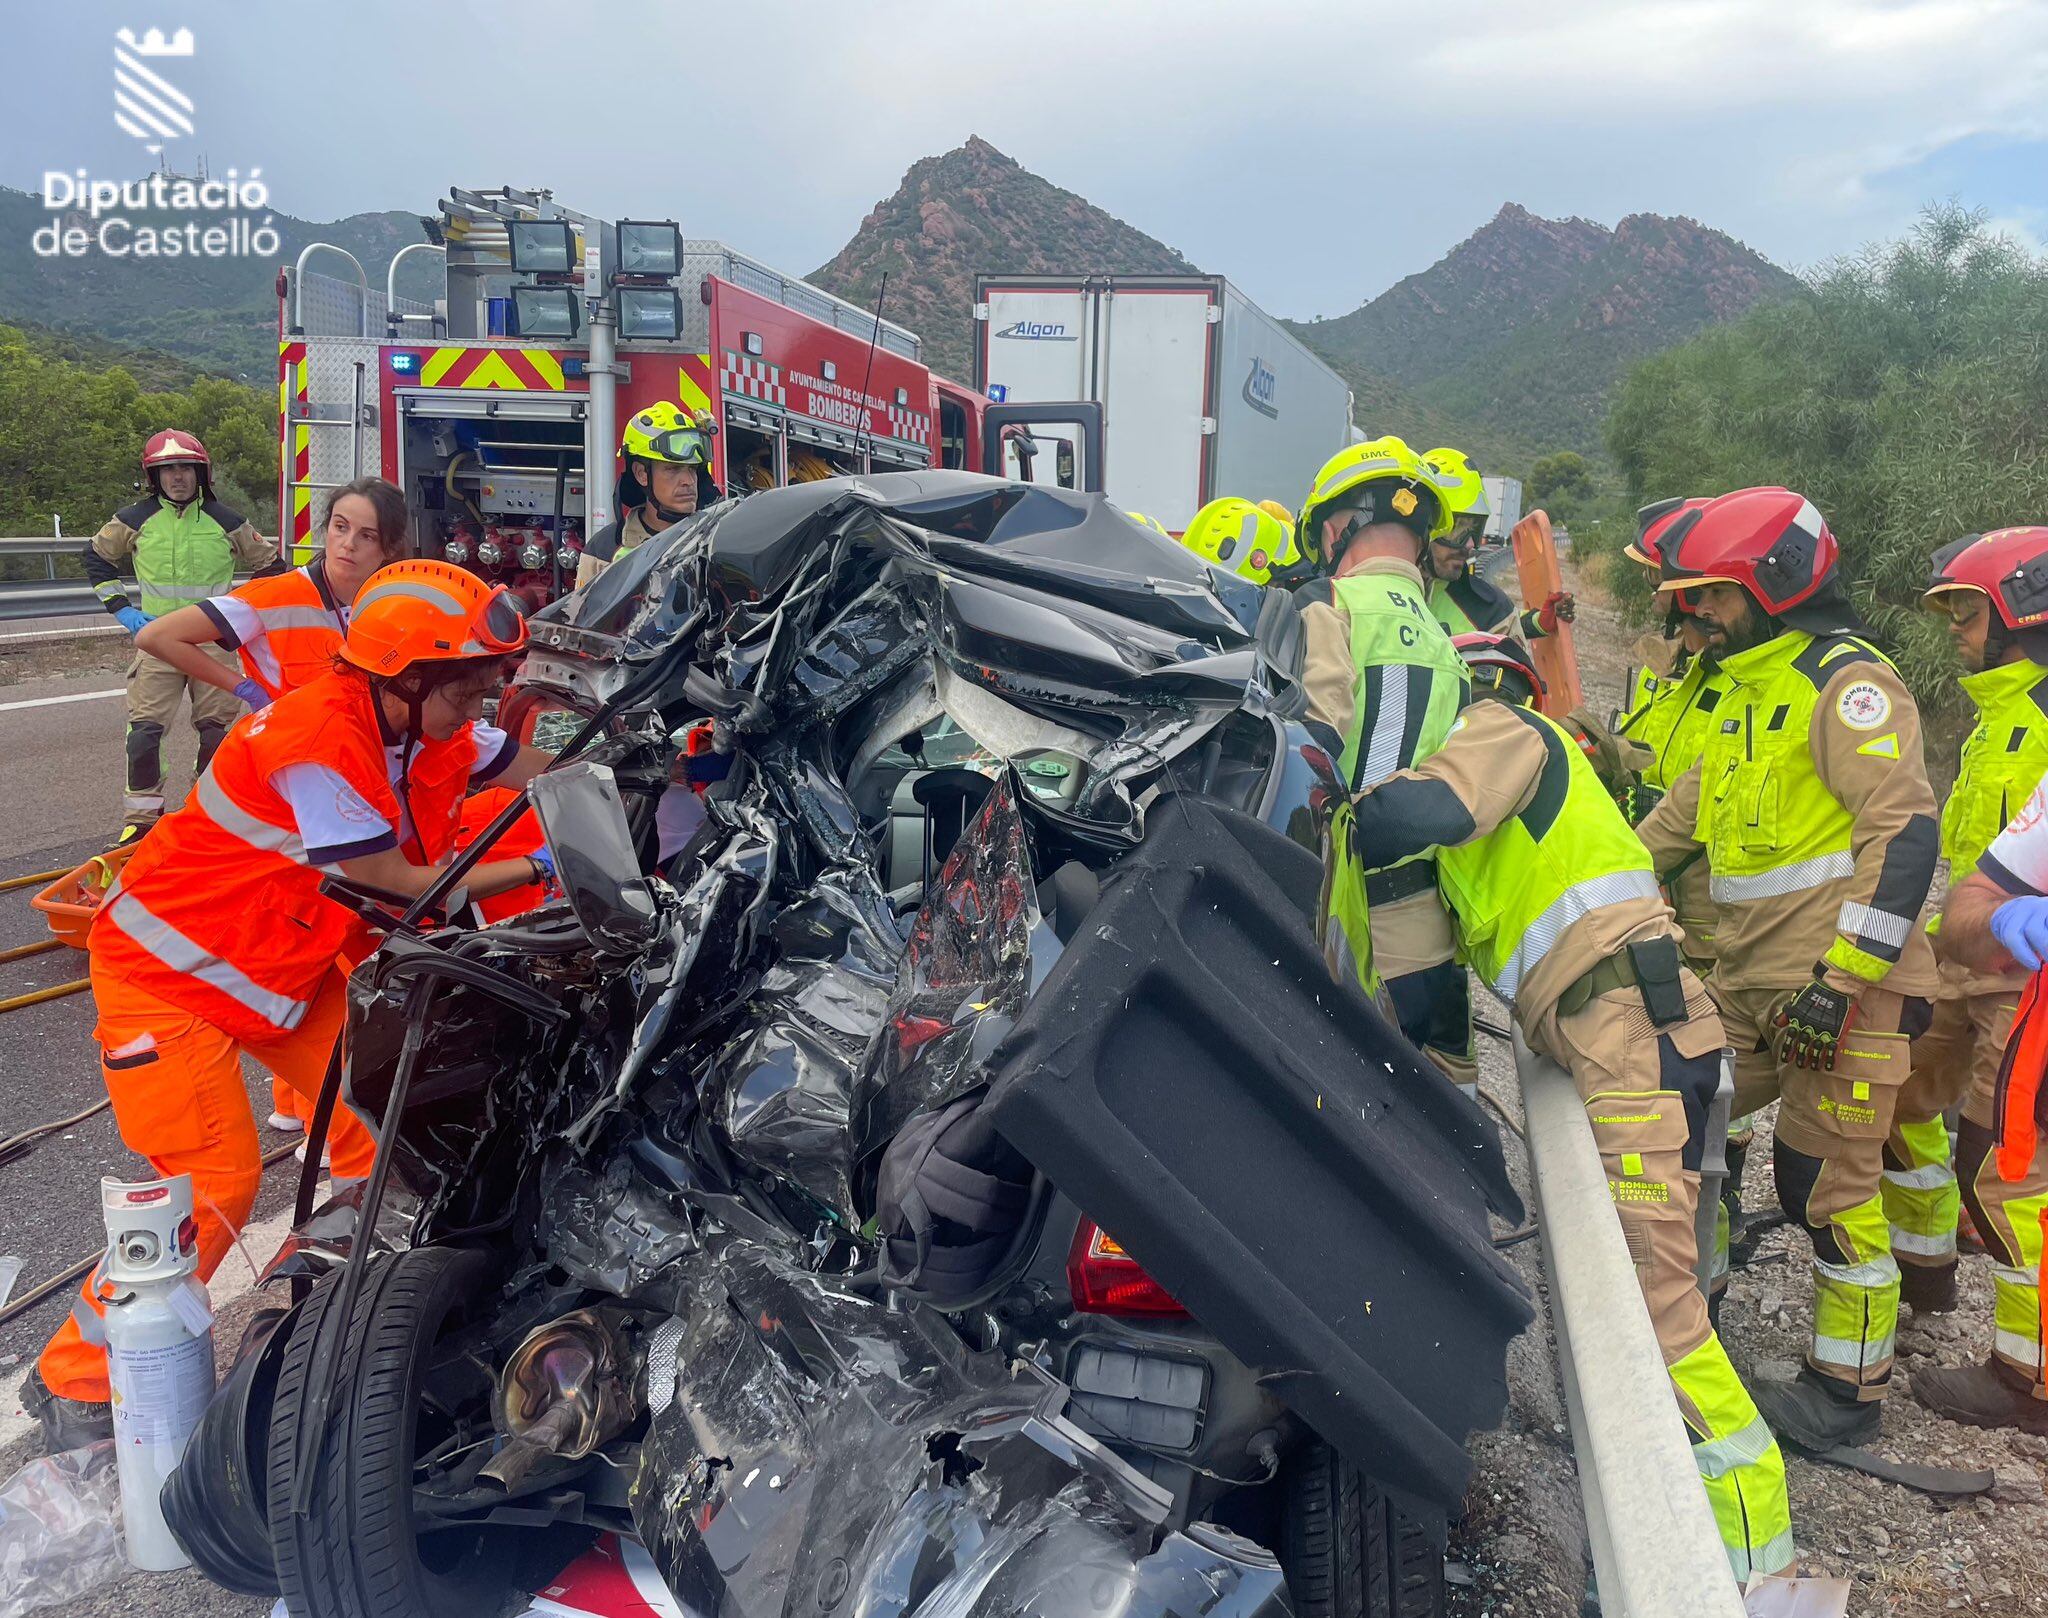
(302, 630)
(218, 911)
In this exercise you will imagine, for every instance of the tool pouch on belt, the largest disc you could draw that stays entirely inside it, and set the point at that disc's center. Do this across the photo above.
(1641, 1136)
(1656, 966)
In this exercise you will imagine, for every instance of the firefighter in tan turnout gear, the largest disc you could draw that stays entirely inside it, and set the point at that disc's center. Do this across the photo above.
(1557, 908)
(1812, 805)
(1383, 684)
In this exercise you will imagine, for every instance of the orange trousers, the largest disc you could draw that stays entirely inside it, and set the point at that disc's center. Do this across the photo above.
(181, 1102)
(347, 1135)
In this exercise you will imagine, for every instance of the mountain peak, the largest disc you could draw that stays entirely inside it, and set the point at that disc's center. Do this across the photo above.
(970, 210)
(1530, 320)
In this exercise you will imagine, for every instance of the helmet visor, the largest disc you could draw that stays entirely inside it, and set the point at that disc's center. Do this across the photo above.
(499, 628)
(686, 446)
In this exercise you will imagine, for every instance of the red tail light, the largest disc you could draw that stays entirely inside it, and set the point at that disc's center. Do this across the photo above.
(1105, 1280)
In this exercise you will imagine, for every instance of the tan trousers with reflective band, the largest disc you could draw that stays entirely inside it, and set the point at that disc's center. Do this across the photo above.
(155, 689)
(1613, 1053)
(1829, 1165)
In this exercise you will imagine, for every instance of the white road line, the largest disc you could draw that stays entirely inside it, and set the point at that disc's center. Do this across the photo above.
(52, 702)
(231, 1281)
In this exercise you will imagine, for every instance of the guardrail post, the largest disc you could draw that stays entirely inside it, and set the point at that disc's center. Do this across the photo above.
(1656, 1552)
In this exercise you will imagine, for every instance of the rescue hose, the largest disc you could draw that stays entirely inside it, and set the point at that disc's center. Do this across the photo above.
(14, 1145)
(36, 997)
(31, 880)
(78, 1272)
(22, 952)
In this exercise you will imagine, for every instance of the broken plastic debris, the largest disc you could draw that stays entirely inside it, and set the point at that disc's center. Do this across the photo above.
(60, 1530)
(1769, 1596)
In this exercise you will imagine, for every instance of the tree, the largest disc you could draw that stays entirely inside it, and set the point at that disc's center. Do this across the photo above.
(1905, 394)
(1560, 484)
(71, 434)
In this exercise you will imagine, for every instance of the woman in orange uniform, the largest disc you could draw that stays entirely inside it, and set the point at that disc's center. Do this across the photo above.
(216, 940)
(285, 629)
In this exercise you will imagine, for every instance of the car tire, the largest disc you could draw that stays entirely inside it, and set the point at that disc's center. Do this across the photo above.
(1348, 1551)
(355, 1553)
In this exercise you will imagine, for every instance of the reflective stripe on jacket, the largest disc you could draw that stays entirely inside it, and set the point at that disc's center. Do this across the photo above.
(181, 556)
(2004, 758)
(302, 629)
(218, 911)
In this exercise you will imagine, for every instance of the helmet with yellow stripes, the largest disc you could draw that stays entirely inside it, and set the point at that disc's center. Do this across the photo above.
(1379, 481)
(1464, 492)
(666, 432)
(1240, 538)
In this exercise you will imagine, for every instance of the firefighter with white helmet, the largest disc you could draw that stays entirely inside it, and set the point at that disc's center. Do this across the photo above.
(667, 473)
(185, 547)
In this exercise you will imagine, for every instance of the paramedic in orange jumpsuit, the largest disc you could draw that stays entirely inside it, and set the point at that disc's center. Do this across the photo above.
(284, 630)
(216, 940)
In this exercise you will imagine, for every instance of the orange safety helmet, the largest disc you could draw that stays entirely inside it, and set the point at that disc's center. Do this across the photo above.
(430, 612)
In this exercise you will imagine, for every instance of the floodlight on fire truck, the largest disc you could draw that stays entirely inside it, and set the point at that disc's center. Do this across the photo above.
(547, 311)
(653, 248)
(650, 315)
(542, 246)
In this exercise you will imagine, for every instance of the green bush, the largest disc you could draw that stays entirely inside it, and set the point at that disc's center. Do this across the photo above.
(1905, 394)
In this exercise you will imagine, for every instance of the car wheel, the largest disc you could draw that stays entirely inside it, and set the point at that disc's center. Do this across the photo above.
(1348, 1551)
(355, 1554)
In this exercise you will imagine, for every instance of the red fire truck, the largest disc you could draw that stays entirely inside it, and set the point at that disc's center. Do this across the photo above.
(496, 407)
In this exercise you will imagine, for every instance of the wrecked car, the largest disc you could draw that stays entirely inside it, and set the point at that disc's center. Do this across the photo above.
(920, 1166)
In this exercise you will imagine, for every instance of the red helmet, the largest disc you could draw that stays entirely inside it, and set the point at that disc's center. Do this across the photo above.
(1772, 542)
(2009, 566)
(1487, 654)
(173, 448)
(1653, 522)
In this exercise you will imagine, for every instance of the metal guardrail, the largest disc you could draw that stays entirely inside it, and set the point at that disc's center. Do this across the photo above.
(51, 596)
(1656, 1552)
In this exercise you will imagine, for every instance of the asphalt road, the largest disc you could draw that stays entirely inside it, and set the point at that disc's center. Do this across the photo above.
(60, 799)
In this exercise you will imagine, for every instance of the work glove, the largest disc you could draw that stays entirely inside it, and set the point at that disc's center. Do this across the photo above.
(2021, 925)
(252, 693)
(131, 619)
(1559, 604)
(1811, 1027)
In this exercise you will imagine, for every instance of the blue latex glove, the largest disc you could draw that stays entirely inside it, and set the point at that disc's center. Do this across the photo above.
(131, 619)
(2021, 925)
(546, 861)
(252, 693)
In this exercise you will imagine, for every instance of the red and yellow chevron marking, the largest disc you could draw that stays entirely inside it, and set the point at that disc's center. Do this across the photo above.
(516, 370)
(296, 447)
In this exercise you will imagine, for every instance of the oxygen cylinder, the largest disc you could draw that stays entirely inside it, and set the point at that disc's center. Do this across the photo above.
(159, 1350)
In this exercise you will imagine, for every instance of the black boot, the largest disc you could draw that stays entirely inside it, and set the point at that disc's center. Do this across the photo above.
(66, 1423)
(1930, 1289)
(1816, 1413)
(1989, 1395)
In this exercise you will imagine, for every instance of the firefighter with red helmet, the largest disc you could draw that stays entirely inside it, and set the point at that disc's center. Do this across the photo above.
(1811, 805)
(1993, 590)
(1557, 908)
(185, 547)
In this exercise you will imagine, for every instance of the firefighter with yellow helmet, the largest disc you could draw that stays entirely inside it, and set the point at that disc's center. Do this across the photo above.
(1384, 684)
(666, 476)
(1236, 536)
(1464, 602)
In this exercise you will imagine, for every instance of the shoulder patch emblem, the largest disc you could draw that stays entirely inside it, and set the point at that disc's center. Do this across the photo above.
(1863, 706)
(1885, 746)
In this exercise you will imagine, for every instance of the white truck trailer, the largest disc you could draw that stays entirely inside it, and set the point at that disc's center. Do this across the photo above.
(1202, 393)
(1504, 495)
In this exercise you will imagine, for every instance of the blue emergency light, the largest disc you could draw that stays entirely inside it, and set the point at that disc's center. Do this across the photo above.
(997, 392)
(405, 364)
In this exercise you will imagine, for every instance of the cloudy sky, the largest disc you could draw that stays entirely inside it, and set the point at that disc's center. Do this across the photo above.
(1314, 152)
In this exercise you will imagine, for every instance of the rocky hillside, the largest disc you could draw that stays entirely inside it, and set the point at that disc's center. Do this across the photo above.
(972, 210)
(1522, 327)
